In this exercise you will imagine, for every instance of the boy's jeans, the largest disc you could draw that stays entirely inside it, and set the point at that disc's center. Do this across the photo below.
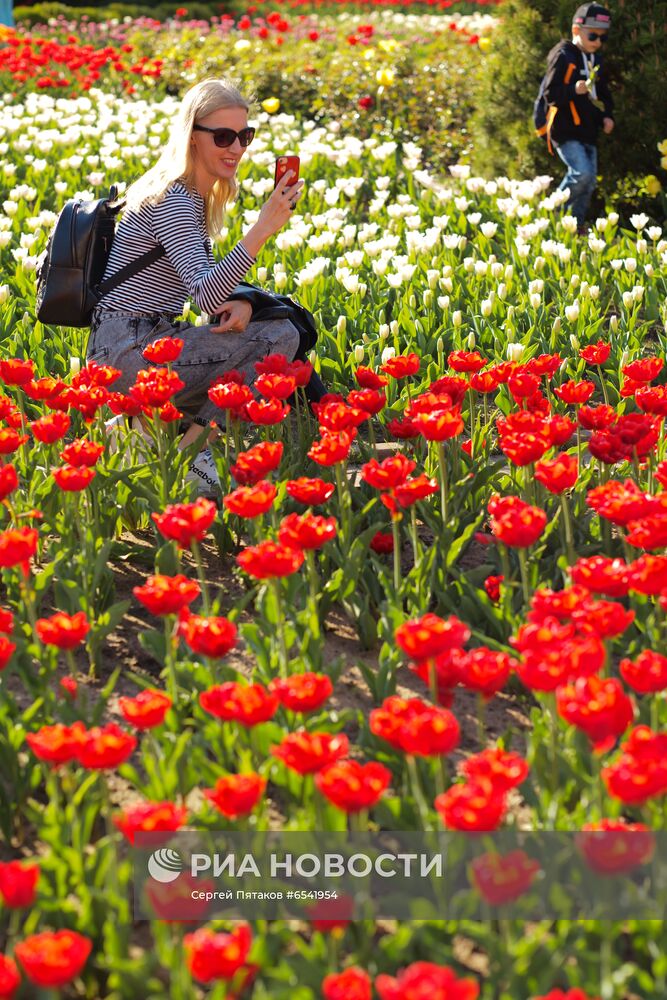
(581, 160)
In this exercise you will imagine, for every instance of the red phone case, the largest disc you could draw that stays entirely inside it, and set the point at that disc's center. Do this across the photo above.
(285, 163)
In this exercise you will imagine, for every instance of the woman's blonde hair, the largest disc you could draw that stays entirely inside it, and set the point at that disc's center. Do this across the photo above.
(176, 161)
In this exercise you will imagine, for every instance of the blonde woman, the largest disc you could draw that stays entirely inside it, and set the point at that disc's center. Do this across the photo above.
(173, 212)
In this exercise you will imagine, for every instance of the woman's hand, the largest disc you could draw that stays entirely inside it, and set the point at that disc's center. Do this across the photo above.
(234, 317)
(274, 214)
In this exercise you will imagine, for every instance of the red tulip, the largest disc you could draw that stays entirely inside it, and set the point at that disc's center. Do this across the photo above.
(236, 795)
(153, 818)
(53, 959)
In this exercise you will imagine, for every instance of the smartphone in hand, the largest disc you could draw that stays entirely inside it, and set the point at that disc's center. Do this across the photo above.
(283, 165)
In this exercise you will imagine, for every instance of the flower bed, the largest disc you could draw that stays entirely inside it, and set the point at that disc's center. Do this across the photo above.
(479, 510)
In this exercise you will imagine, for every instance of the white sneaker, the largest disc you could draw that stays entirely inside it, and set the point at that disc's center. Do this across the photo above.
(203, 474)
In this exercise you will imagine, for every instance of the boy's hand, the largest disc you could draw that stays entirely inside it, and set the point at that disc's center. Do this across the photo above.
(608, 125)
(581, 87)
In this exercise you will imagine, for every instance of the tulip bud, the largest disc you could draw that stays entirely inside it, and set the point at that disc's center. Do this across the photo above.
(262, 273)
(486, 307)
(509, 272)
(4, 293)
(412, 302)
(501, 291)
(428, 297)
(365, 338)
(363, 288)
(443, 302)
(642, 246)
(279, 279)
(457, 317)
(381, 317)
(535, 300)
(358, 354)
(624, 358)
(510, 312)
(574, 281)
(556, 326)
(539, 263)
(471, 341)
(514, 352)
(74, 365)
(393, 327)
(574, 341)
(613, 324)
(648, 269)
(383, 332)
(439, 345)
(341, 325)
(387, 353)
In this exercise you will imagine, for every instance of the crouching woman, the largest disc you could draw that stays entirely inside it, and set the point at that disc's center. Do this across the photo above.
(162, 254)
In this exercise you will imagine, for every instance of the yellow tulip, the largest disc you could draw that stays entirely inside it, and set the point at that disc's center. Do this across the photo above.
(369, 54)
(385, 77)
(662, 147)
(663, 162)
(388, 45)
(653, 185)
(484, 43)
(271, 105)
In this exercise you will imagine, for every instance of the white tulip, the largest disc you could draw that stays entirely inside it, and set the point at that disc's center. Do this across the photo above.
(457, 318)
(514, 351)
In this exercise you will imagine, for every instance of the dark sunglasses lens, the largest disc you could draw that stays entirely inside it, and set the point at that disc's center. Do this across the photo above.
(592, 37)
(224, 137)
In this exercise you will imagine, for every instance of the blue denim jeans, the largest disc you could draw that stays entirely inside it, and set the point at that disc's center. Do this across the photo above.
(581, 160)
(117, 338)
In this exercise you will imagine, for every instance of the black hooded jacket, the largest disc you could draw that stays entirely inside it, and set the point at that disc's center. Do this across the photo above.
(575, 115)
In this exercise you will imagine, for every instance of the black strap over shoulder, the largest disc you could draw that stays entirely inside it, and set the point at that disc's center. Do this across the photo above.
(129, 270)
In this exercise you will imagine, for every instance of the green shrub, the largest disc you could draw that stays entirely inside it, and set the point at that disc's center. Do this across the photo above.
(503, 136)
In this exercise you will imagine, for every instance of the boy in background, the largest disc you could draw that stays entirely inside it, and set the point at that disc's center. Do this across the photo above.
(580, 103)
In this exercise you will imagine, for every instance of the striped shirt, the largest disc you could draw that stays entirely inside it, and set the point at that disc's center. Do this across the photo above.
(188, 270)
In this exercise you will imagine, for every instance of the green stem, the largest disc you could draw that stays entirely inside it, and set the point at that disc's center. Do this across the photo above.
(442, 462)
(523, 566)
(284, 661)
(169, 660)
(201, 576)
(414, 536)
(415, 784)
(397, 553)
(567, 523)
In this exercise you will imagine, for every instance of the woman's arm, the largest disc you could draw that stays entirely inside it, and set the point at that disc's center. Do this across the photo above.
(175, 226)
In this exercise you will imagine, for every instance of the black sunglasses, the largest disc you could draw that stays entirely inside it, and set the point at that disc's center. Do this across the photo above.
(594, 35)
(224, 137)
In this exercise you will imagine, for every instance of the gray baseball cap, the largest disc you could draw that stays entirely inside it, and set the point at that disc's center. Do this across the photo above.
(592, 15)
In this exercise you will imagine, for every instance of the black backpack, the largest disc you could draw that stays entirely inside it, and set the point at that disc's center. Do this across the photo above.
(69, 278)
(540, 110)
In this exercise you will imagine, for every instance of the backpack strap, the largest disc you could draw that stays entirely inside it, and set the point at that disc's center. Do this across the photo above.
(129, 270)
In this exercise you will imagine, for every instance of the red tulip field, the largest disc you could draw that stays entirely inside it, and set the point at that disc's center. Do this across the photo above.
(434, 602)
